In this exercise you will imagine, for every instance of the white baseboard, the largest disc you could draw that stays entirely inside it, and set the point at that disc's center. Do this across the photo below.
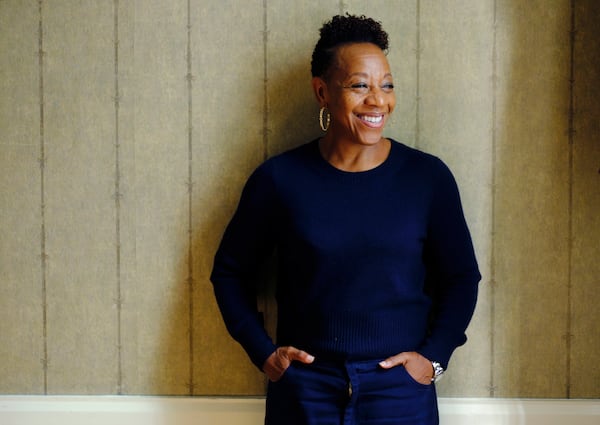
(134, 410)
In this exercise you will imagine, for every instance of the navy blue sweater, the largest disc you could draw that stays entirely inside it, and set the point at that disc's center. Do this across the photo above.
(369, 264)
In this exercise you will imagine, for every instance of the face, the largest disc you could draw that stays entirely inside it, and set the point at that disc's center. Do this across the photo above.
(358, 93)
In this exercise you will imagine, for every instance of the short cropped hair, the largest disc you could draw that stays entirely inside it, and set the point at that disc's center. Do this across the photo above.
(342, 30)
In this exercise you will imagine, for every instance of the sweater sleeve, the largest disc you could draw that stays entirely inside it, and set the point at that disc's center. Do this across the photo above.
(247, 242)
(452, 274)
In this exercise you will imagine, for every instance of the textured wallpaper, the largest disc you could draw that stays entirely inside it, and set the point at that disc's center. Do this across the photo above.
(127, 129)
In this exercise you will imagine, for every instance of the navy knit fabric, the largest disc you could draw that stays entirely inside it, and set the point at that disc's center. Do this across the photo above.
(369, 264)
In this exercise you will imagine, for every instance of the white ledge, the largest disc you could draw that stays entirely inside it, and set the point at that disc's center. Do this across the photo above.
(142, 410)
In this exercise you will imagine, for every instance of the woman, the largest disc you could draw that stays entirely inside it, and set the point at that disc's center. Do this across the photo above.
(377, 278)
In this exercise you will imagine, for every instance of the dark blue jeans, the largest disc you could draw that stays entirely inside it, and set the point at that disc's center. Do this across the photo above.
(349, 393)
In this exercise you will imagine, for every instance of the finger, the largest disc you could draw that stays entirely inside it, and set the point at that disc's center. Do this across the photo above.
(393, 361)
(299, 355)
(305, 357)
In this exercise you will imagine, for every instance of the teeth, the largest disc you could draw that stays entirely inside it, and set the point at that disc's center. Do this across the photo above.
(374, 120)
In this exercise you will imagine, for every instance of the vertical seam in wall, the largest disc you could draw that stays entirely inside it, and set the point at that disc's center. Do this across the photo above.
(118, 196)
(571, 137)
(418, 75)
(492, 377)
(42, 161)
(263, 303)
(265, 34)
(190, 185)
(342, 6)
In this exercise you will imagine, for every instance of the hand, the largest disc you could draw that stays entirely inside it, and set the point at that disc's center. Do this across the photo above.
(278, 362)
(415, 364)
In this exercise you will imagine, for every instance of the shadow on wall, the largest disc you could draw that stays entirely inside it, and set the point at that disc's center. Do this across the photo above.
(546, 186)
(531, 188)
(196, 348)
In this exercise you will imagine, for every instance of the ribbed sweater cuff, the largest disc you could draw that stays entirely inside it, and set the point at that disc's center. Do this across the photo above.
(441, 347)
(257, 344)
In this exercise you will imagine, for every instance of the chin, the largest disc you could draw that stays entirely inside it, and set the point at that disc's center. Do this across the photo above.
(369, 139)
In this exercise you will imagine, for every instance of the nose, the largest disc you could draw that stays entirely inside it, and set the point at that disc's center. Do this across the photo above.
(376, 97)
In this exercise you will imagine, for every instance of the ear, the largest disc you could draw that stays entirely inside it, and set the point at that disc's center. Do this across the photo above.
(320, 90)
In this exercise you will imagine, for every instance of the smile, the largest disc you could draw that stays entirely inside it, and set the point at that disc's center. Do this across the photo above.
(371, 119)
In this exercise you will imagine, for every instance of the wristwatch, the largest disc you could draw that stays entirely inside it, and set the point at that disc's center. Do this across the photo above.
(438, 371)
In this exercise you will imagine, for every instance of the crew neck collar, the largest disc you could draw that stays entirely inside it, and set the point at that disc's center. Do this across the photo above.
(324, 164)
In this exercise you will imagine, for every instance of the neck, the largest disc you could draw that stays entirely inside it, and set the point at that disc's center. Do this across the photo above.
(352, 156)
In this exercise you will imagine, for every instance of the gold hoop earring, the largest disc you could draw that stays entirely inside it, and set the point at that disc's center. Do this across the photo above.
(324, 127)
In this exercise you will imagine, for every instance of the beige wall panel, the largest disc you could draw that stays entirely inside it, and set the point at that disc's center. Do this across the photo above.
(293, 30)
(79, 106)
(292, 115)
(161, 199)
(228, 129)
(19, 74)
(455, 122)
(126, 212)
(21, 313)
(531, 206)
(21, 319)
(585, 278)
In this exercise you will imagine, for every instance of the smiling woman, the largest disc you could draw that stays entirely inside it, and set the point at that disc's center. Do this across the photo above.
(377, 278)
(359, 94)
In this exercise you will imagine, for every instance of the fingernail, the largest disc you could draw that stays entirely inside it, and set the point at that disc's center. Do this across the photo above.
(383, 363)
